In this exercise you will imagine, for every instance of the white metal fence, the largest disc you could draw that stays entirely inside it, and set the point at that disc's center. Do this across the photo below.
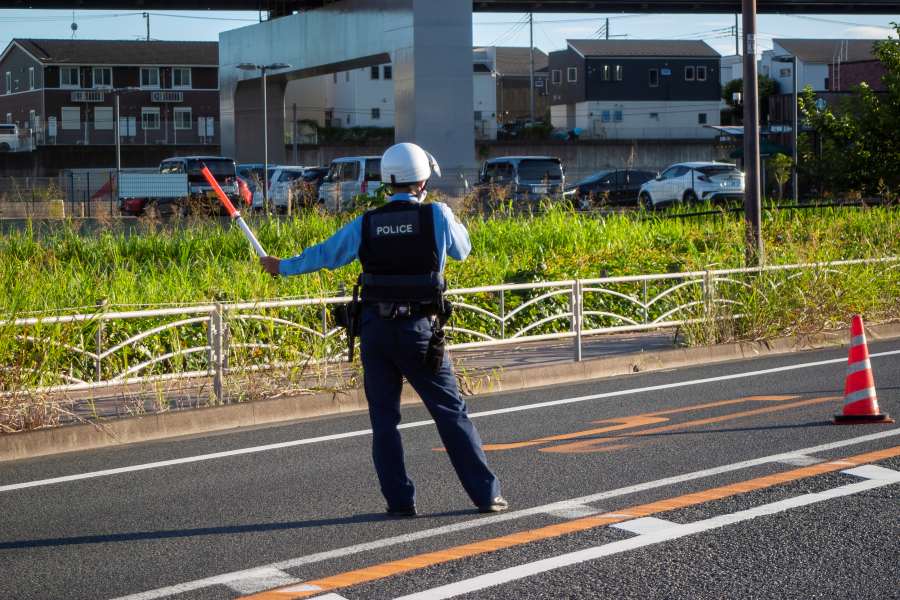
(109, 347)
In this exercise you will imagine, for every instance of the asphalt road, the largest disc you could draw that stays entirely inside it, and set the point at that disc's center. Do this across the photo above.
(656, 485)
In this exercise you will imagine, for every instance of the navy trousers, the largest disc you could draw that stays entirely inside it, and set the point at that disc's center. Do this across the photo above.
(395, 348)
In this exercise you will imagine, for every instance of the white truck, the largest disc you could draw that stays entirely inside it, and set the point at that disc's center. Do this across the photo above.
(139, 191)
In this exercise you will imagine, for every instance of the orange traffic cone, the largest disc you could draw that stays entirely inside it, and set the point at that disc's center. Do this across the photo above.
(860, 403)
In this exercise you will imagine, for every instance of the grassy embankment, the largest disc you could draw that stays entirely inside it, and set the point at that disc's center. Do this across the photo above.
(204, 261)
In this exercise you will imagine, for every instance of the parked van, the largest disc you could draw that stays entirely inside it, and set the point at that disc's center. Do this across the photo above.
(9, 137)
(347, 178)
(525, 178)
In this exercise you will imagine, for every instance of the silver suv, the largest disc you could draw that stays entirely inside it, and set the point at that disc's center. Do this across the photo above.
(347, 178)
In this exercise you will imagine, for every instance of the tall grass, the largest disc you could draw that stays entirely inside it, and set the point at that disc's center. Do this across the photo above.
(62, 270)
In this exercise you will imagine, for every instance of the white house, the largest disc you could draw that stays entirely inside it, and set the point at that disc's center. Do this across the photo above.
(814, 59)
(365, 98)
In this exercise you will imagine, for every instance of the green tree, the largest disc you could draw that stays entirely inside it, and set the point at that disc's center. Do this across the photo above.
(767, 87)
(856, 146)
(781, 164)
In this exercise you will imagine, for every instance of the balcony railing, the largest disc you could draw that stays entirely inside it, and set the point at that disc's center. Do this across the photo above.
(167, 96)
(87, 96)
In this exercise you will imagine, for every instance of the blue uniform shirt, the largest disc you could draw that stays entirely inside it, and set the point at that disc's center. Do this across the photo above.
(342, 248)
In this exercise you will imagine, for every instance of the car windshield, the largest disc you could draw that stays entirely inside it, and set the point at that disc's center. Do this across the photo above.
(716, 170)
(538, 169)
(218, 167)
(594, 178)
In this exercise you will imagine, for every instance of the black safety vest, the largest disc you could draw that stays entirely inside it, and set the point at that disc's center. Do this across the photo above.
(399, 254)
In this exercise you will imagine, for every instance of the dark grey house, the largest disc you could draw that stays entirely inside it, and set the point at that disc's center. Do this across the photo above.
(641, 89)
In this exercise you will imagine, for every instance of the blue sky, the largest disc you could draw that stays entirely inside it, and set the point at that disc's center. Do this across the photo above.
(506, 29)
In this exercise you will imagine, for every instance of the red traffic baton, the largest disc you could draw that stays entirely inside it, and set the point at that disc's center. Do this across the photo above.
(233, 212)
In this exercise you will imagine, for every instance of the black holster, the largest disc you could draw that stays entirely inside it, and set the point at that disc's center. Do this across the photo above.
(437, 345)
(348, 317)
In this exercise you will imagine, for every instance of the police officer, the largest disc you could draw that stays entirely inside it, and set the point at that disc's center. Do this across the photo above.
(403, 247)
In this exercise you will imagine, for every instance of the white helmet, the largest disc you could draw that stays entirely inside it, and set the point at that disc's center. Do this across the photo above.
(404, 164)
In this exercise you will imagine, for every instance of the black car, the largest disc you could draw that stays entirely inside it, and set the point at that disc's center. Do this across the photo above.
(615, 186)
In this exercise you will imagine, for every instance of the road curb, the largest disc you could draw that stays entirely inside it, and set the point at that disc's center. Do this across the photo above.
(130, 430)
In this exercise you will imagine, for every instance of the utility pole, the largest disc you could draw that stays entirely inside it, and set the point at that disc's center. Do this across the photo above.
(795, 183)
(752, 193)
(607, 28)
(147, 19)
(737, 37)
(531, 70)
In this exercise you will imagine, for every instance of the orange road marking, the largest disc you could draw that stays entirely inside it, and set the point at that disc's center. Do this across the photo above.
(388, 569)
(586, 446)
(623, 423)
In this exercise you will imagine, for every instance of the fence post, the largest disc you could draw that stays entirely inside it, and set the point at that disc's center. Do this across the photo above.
(502, 314)
(98, 361)
(646, 309)
(575, 304)
(707, 296)
(217, 352)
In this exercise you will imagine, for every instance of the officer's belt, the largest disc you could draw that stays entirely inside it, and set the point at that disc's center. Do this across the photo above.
(431, 280)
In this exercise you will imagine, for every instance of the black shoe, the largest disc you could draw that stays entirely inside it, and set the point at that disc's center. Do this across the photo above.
(498, 504)
(406, 511)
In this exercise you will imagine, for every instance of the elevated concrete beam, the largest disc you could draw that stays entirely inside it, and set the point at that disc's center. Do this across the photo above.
(429, 43)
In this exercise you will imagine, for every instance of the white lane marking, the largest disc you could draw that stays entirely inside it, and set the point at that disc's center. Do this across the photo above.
(263, 578)
(802, 460)
(575, 511)
(648, 539)
(645, 525)
(874, 472)
(361, 432)
(479, 522)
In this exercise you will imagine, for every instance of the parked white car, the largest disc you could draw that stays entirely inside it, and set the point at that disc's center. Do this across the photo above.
(280, 179)
(693, 181)
(347, 178)
(9, 137)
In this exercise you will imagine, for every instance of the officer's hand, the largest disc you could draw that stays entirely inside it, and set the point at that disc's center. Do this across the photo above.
(270, 265)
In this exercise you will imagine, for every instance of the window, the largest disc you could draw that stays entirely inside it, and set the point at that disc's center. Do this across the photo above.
(617, 116)
(556, 76)
(604, 116)
(784, 73)
(8, 82)
(183, 118)
(654, 116)
(68, 77)
(150, 117)
(334, 77)
(477, 116)
(388, 72)
(103, 118)
(8, 118)
(149, 77)
(618, 72)
(653, 77)
(127, 126)
(376, 113)
(30, 78)
(572, 74)
(181, 77)
(689, 73)
(347, 76)
(701, 119)
(374, 72)
(102, 77)
(71, 117)
(605, 73)
(348, 118)
(701, 73)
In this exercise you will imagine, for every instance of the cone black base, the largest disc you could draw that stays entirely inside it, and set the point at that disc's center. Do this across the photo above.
(858, 419)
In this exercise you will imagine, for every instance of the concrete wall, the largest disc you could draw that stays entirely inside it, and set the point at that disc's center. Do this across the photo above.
(580, 158)
(642, 120)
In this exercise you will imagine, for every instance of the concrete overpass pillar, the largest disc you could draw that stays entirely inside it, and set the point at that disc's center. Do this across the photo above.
(433, 84)
(429, 43)
(248, 121)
